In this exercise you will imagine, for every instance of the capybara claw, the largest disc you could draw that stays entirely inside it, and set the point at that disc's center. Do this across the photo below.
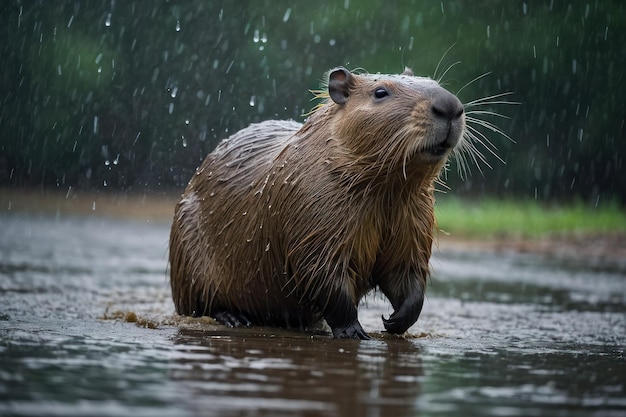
(393, 325)
(400, 321)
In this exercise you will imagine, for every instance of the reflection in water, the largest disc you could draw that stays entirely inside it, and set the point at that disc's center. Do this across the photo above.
(273, 375)
(500, 334)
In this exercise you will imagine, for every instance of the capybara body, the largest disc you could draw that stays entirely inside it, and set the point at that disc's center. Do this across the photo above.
(286, 224)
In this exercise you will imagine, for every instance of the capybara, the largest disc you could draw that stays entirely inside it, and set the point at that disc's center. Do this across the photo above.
(285, 224)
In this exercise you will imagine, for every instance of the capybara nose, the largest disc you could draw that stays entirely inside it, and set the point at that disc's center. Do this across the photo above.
(446, 105)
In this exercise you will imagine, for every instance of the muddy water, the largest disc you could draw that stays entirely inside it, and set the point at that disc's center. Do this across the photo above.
(87, 328)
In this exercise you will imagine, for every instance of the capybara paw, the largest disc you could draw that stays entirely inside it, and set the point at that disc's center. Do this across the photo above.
(230, 319)
(352, 331)
(399, 323)
(406, 315)
(395, 324)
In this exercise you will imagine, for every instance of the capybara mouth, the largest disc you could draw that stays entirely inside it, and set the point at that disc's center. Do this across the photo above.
(438, 150)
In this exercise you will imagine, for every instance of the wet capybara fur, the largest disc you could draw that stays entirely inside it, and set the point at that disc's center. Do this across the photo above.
(285, 224)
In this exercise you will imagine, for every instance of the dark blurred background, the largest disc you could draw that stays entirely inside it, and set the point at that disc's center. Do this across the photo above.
(131, 95)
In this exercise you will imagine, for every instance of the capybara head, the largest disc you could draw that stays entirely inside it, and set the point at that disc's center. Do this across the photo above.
(394, 120)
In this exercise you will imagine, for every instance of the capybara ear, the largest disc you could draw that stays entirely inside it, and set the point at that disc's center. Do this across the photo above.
(408, 71)
(340, 81)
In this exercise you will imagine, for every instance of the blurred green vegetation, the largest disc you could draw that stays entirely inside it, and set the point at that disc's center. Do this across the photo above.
(132, 95)
(525, 218)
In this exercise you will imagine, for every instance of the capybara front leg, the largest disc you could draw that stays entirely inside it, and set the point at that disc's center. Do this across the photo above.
(407, 306)
(340, 312)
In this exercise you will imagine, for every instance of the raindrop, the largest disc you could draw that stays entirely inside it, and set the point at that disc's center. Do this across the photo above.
(95, 124)
(252, 101)
(287, 14)
(117, 159)
(98, 58)
(171, 108)
(105, 183)
(184, 141)
(267, 248)
(317, 38)
(107, 162)
(256, 37)
(178, 26)
(332, 42)
(107, 21)
(525, 7)
(488, 31)
(186, 121)
(70, 22)
(174, 92)
(573, 66)
(93, 206)
(136, 138)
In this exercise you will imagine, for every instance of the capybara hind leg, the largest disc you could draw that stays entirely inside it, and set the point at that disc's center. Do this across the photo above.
(407, 308)
(230, 319)
(341, 315)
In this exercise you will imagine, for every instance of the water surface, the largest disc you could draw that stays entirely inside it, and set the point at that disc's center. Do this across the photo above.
(87, 327)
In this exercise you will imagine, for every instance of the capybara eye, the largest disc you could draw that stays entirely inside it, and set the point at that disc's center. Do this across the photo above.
(381, 93)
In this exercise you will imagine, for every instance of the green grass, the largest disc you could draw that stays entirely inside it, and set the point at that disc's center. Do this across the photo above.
(526, 218)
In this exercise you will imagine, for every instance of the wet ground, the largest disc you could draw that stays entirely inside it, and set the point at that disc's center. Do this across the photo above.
(87, 327)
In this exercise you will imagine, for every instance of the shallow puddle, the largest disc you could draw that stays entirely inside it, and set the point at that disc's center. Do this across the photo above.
(87, 327)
